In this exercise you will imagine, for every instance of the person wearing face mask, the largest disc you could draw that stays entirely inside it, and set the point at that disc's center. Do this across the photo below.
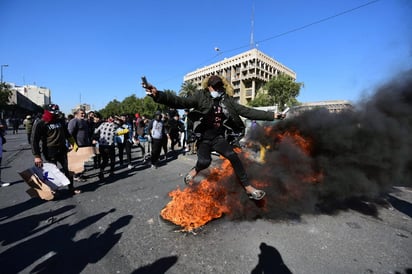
(218, 114)
(49, 138)
(157, 133)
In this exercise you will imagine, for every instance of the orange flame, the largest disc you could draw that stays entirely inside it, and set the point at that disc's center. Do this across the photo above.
(195, 206)
(305, 144)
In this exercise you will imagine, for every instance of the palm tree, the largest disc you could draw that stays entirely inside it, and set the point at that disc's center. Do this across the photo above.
(187, 89)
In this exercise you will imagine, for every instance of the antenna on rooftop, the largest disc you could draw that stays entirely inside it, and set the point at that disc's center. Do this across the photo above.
(252, 27)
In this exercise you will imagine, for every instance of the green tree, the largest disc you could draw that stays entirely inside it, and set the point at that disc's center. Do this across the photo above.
(187, 89)
(130, 105)
(5, 94)
(262, 100)
(150, 106)
(280, 90)
(111, 109)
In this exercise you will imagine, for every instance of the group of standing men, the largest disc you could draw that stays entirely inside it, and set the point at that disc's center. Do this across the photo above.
(217, 110)
(58, 136)
(53, 136)
(170, 129)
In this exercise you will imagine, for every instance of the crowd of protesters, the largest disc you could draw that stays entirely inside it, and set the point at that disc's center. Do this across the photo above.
(52, 135)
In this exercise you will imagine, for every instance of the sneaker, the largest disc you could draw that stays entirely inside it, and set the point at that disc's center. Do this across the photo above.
(256, 195)
(188, 179)
(76, 191)
(5, 184)
(130, 167)
(154, 166)
(79, 179)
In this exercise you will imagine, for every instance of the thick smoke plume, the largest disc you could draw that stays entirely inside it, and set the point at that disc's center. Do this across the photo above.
(357, 154)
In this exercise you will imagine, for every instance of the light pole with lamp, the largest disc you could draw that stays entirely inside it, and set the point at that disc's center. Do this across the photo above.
(1, 81)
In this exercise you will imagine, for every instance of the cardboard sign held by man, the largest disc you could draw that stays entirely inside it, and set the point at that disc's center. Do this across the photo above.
(77, 157)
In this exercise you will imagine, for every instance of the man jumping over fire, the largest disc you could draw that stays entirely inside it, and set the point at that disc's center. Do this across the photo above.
(218, 114)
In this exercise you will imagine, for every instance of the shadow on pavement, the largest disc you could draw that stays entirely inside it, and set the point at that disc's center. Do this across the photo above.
(14, 210)
(400, 205)
(270, 261)
(159, 266)
(118, 176)
(57, 251)
(19, 229)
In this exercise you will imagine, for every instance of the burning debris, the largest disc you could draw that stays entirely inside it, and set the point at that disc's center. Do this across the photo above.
(194, 206)
(315, 161)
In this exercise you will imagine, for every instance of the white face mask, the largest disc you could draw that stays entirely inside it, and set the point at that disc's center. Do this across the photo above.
(215, 94)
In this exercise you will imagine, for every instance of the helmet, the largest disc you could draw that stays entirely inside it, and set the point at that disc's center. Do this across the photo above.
(53, 108)
(28, 117)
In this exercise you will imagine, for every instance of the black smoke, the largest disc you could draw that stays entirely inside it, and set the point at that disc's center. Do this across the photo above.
(360, 153)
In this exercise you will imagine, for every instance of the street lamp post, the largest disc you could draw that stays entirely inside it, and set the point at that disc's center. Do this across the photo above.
(1, 80)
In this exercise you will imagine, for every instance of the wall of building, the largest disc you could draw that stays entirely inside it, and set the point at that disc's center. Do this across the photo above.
(247, 72)
(39, 95)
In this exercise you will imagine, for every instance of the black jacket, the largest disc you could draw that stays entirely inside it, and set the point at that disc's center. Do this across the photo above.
(51, 135)
(202, 102)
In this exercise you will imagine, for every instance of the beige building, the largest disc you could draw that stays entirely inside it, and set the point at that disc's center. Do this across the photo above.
(85, 107)
(247, 72)
(39, 95)
(334, 106)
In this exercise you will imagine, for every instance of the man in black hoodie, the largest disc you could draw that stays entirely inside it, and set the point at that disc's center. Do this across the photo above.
(52, 133)
(218, 113)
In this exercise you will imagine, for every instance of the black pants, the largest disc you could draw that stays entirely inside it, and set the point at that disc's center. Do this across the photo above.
(174, 140)
(128, 148)
(164, 144)
(97, 160)
(107, 153)
(120, 151)
(221, 146)
(28, 137)
(157, 145)
(141, 148)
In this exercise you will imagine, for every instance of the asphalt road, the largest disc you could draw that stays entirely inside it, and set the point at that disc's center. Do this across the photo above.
(115, 227)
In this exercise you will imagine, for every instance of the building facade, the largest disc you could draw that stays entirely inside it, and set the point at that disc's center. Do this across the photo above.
(19, 105)
(247, 72)
(333, 106)
(85, 107)
(39, 95)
